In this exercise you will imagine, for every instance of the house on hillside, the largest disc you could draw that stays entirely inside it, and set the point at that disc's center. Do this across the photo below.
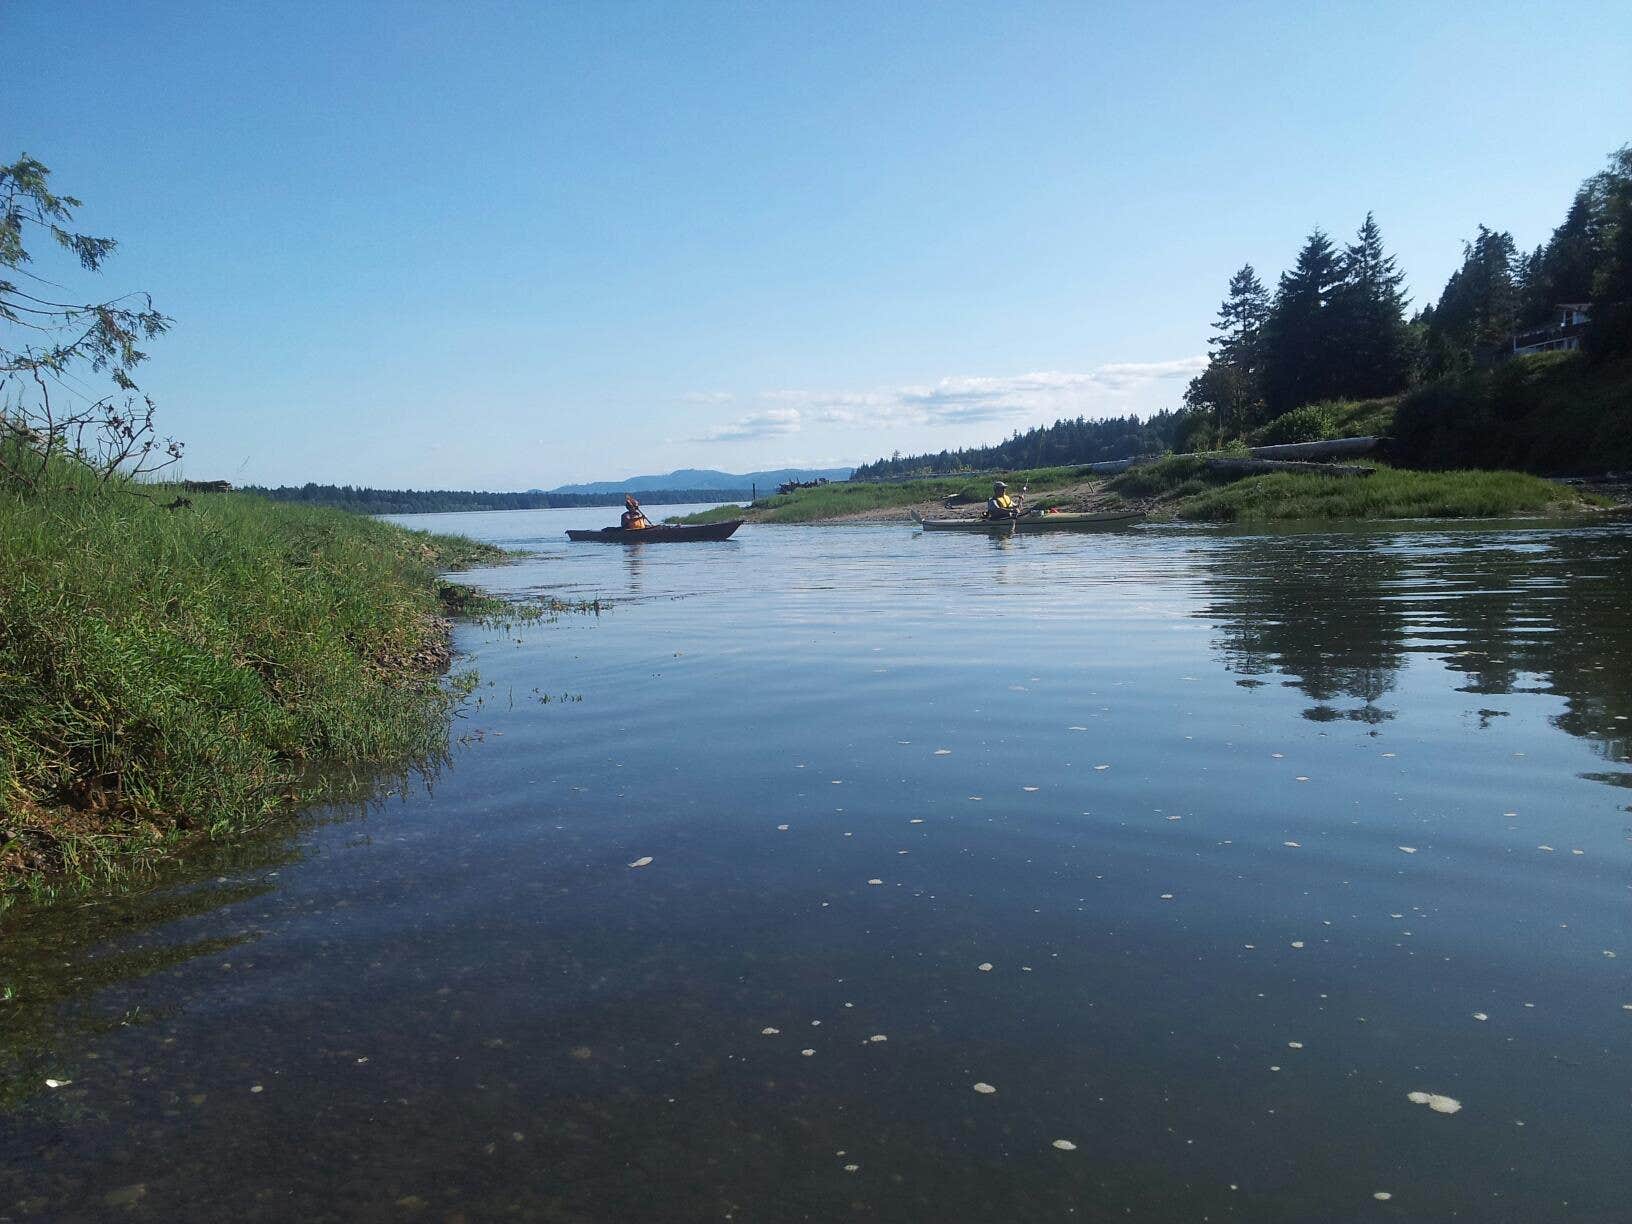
(1563, 334)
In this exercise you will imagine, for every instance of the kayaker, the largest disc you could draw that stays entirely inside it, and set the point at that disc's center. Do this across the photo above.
(634, 518)
(1001, 505)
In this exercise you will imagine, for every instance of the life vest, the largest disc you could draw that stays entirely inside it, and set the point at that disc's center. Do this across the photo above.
(999, 506)
(634, 520)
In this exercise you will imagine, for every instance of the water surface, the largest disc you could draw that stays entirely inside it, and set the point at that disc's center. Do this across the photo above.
(1204, 850)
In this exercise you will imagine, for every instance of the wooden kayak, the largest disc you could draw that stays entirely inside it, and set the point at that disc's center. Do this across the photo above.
(659, 533)
(1037, 522)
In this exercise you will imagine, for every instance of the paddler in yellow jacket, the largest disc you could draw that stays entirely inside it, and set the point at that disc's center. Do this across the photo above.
(634, 518)
(1001, 505)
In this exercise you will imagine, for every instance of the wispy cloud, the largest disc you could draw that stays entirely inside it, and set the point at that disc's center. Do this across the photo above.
(955, 401)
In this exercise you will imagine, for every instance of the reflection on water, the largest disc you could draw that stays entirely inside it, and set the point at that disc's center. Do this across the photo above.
(1202, 851)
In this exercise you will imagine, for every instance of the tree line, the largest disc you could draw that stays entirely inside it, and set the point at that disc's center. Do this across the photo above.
(1336, 327)
(1068, 441)
(363, 500)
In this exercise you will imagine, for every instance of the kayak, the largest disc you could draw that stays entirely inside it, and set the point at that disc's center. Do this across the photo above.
(1037, 522)
(659, 533)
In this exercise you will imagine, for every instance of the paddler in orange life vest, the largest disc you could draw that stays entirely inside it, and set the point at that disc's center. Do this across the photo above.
(634, 519)
(1001, 505)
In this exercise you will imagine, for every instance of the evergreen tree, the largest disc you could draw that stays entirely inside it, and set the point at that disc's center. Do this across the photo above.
(1368, 320)
(1611, 332)
(1241, 320)
(1478, 310)
(1228, 391)
(1300, 336)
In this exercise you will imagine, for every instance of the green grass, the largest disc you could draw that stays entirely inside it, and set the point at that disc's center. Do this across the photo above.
(854, 497)
(1389, 493)
(168, 674)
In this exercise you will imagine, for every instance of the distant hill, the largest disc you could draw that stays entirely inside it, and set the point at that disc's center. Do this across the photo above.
(694, 478)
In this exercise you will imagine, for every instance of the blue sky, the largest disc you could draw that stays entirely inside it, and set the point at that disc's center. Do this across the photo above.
(513, 245)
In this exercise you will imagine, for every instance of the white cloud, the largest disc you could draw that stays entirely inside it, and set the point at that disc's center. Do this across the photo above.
(956, 401)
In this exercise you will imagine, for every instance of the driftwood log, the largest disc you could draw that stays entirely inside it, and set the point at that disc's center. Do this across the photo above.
(1332, 448)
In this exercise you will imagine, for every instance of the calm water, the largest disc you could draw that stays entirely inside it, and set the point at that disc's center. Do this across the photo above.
(1203, 850)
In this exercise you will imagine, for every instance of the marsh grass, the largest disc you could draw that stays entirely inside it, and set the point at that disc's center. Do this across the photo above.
(170, 674)
(1389, 493)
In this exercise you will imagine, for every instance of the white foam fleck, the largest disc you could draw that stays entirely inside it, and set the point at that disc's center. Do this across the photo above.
(851, 1168)
(1294, 1045)
(916, 820)
(1065, 1145)
(1294, 845)
(984, 966)
(1301, 778)
(1101, 766)
(1549, 849)
(1028, 788)
(808, 1053)
(1382, 1196)
(1407, 849)
(943, 752)
(781, 828)
(1297, 943)
(877, 1037)
(770, 1032)
(1167, 896)
(984, 1088)
(875, 881)
(56, 1083)
(1480, 1016)
(643, 861)
(1435, 1101)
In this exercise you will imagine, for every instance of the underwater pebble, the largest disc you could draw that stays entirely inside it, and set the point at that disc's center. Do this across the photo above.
(644, 861)
(984, 1088)
(1435, 1101)
(1065, 1145)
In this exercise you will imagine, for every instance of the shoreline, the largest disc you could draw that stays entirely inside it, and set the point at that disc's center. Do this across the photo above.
(180, 677)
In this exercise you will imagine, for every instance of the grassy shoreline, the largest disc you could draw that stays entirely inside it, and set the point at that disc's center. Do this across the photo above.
(169, 675)
(1181, 488)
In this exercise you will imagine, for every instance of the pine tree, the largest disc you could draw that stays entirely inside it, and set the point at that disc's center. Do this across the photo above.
(1240, 320)
(1611, 331)
(1227, 392)
(1478, 310)
(1367, 314)
(1300, 340)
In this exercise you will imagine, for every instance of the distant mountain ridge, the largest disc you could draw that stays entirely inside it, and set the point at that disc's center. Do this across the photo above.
(695, 478)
